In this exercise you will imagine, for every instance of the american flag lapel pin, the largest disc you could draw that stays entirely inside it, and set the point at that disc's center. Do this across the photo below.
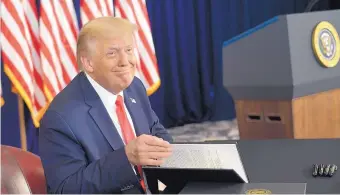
(133, 100)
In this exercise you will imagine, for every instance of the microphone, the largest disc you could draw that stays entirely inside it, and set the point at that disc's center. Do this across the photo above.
(316, 168)
(332, 170)
(327, 169)
(324, 170)
(321, 167)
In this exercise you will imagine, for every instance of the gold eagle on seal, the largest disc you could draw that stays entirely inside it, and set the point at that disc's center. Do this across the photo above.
(326, 44)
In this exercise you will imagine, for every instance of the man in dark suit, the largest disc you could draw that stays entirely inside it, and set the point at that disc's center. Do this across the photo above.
(100, 130)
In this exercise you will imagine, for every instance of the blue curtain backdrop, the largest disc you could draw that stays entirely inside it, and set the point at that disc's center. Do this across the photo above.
(188, 36)
(183, 42)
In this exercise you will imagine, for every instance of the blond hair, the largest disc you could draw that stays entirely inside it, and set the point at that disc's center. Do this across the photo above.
(100, 28)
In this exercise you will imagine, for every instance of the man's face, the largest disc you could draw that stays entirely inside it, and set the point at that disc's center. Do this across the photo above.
(113, 62)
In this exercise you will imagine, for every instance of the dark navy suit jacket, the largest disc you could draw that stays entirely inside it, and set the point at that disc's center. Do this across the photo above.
(80, 148)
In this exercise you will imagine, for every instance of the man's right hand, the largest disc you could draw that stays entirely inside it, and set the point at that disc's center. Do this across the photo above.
(147, 150)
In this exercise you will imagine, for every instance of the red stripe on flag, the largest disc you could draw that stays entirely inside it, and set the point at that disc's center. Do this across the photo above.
(48, 56)
(34, 7)
(86, 10)
(35, 41)
(39, 82)
(37, 104)
(55, 46)
(107, 8)
(69, 18)
(98, 7)
(145, 11)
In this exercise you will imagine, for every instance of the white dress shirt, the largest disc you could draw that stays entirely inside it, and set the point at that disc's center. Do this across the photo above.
(109, 101)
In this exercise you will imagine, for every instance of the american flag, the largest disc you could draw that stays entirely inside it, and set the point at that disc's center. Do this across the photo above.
(20, 52)
(136, 12)
(39, 52)
(58, 40)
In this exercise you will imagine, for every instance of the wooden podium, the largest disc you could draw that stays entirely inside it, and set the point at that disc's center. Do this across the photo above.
(284, 76)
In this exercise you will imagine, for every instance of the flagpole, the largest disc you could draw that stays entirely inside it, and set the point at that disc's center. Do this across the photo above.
(23, 137)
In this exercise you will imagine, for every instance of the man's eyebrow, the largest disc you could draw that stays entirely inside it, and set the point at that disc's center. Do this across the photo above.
(113, 47)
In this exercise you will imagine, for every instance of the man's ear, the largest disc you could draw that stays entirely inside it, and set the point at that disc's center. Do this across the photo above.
(87, 64)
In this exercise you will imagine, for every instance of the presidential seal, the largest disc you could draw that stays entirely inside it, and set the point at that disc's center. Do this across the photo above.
(326, 44)
(258, 191)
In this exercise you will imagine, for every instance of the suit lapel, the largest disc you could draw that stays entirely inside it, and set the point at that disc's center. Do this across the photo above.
(99, 114)
(105, 124)
(136, 113)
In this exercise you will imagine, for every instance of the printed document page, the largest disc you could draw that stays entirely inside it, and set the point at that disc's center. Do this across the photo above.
(206, 156)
